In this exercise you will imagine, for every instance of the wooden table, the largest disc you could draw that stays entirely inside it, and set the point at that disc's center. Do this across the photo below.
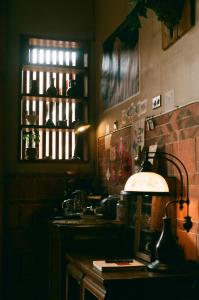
(86, 237)
(84, 282)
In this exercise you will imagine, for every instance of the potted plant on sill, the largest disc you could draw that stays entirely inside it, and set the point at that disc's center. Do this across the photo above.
(32, 138)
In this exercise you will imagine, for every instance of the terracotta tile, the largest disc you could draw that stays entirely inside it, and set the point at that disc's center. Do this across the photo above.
(151, 141)
(194, 191)
(193, 179)
(197, 131)
(197, 153)
(161, 140)
(196, 178)
(197, 166)
(163, 129)
(194, 203)
(194, 109)
(153, 133)
(164, 119)
(174, 151)
(188, 133)
(181, 214)
(196, 120)
(167, 129)
(182, 118)
(187, 154)
(176, 148)
(184, 112)
(169, 148)
(174, 115)
(174, 125)
(188, 241)
(181, 138)
(169, 138)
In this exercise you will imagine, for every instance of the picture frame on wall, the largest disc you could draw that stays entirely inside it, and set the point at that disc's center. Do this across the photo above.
(120, 66)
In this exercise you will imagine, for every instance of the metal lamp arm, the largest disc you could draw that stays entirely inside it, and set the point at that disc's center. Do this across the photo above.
(168, 204)
(187, 201)
(188, 223)
(177, 167)
(187, 177)
(161, 154)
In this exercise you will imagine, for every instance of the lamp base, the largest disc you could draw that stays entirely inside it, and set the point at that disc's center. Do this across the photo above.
(158, 266)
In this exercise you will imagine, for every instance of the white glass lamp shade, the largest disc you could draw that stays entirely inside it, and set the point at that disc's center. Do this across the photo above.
(148, 182)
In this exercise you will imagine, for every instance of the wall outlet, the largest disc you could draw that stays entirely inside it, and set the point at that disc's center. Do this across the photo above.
(156, 102)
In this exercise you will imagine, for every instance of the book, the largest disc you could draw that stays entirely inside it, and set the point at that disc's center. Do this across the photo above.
(103, 265)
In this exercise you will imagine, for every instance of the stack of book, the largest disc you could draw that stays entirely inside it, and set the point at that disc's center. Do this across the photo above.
(117, 265)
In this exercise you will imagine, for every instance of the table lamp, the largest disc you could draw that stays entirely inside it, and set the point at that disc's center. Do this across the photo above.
(79, 128)
(168, 257)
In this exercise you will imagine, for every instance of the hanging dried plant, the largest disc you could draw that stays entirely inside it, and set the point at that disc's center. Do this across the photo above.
(168, 11)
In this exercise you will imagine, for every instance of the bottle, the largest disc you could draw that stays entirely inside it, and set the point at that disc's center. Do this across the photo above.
(51, 91)
(122, 208)
(34, 88)
(72, 91)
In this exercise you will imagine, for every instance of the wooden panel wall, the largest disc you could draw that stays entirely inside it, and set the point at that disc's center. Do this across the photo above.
(2, 99)
(30, 200)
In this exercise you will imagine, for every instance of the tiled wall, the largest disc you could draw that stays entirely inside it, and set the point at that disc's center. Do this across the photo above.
(177, 132)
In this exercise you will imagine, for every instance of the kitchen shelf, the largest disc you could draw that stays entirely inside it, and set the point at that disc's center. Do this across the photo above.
(54, 69)
(56, 128)
(62, 66)
(58, 98)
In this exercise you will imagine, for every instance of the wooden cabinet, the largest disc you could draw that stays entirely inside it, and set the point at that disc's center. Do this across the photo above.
(83, 282)
(85, 236)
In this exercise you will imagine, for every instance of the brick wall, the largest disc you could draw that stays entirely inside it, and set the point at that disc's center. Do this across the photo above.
(177, 132)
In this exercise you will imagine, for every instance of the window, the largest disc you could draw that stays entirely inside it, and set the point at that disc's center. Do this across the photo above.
(53, 97)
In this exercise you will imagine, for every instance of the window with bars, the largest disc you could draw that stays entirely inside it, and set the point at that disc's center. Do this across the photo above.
(54, 97)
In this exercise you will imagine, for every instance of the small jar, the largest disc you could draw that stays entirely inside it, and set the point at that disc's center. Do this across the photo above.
(125, 206)
(122, 208)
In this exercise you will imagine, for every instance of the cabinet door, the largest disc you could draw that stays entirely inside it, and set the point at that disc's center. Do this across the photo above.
(74, 279)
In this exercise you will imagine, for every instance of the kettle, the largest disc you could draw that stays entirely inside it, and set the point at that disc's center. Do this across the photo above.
(67, 206)
(108, 207)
